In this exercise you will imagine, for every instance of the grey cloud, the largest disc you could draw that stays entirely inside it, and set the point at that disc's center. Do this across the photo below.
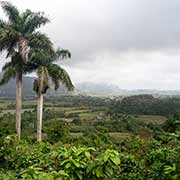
(91, 27)
(114, 40)
(87, 26)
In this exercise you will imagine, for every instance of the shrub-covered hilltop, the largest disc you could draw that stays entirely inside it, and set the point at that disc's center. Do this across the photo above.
(88, 138)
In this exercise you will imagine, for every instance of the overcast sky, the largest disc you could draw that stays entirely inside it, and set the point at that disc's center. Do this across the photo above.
(134, 44)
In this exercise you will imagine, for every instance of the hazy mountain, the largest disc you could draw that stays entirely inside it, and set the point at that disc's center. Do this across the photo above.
(93, 89)
(9, 89)
(98, 88)
(108, 89)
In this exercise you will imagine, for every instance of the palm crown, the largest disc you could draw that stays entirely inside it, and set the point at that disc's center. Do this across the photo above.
(47, 70)
(18, 35)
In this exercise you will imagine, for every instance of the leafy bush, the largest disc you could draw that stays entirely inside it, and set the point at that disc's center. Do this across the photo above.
(45, 161)
(56, 130)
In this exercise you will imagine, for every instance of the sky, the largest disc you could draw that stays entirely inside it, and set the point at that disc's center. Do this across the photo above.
(134, 44)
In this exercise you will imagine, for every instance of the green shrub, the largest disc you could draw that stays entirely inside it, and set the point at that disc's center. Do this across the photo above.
(56, 130)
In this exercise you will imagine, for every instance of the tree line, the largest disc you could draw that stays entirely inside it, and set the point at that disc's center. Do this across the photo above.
(29, 50)
(146, 105)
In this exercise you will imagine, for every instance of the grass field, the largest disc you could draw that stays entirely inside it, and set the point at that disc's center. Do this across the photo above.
(151, 119)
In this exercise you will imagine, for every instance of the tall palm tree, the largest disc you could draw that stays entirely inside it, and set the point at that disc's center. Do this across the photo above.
(48, 72)
(17, 36)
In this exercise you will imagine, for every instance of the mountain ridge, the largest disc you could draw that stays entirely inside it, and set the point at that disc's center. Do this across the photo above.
(86, 88)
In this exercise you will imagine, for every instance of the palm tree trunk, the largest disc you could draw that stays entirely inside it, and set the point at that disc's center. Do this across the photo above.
(23, 51)
(39, 116)
(40, 106)
(18, 103)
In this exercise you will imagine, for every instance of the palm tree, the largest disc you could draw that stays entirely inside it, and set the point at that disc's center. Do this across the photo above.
(17, 36)
(48, 72)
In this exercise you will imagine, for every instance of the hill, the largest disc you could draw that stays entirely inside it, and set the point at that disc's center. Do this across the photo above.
(86, 88)
(8, 90)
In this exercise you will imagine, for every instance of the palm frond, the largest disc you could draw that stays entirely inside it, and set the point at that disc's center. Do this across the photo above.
(7, 65)
(3, 24)
(8, 74)
(25, 15)
(11, 49)
(34, 21)
(11, 11)
(39, 41)
(63, 53)
(59, 75)
(13, 63)
(8, 38)
(40, 58)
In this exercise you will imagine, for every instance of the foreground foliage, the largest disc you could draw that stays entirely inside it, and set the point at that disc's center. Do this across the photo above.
(45, 161)
(130, 159)
(81, 141)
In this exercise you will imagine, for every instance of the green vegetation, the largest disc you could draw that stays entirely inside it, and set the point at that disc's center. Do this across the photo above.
(146, 105)
(84, 138)
(84, 141)
(45, 72)
(19, 37)
(29, 50)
